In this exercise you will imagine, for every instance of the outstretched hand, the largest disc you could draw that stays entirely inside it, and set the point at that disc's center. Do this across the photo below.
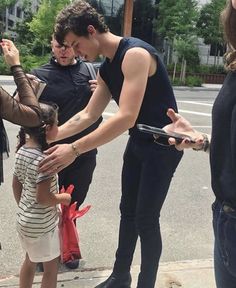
(10, 52)
(181, 125)
(59, 157)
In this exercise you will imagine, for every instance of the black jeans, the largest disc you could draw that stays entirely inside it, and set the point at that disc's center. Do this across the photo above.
(80, 174)
(147, 172)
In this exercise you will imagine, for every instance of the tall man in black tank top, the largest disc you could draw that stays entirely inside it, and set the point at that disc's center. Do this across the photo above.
(134, 76)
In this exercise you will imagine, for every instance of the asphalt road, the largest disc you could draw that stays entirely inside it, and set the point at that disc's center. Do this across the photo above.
(185, 218)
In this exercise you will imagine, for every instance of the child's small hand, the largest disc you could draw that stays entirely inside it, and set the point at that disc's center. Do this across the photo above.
(65, 199)
(69, 189)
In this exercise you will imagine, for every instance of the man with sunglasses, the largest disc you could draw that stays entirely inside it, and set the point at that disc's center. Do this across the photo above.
(70, 86)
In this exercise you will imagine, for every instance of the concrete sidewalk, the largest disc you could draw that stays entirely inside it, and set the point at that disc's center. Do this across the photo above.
(185, 274)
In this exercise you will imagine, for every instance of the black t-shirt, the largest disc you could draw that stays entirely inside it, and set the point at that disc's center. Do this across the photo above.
(223, 142)
(68, 87)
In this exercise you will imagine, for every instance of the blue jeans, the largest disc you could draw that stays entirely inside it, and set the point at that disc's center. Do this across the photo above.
(224, 225)
(147, 172)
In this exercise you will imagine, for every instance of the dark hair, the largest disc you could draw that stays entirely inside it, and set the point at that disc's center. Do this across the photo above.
(76, 18)
(228, 19)
(48, 116)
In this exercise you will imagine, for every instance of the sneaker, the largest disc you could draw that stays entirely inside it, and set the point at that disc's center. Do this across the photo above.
(72, 264)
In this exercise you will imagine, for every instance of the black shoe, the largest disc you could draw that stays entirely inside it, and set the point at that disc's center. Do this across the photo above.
(72, 264)
(116, 282)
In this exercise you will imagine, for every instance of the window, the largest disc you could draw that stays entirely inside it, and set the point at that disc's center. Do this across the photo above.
(18, 12)
(217, 50)
(10, 23)
(11, 10)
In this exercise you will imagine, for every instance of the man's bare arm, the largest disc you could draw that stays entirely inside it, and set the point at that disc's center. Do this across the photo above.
(17, 189)
(90, 114)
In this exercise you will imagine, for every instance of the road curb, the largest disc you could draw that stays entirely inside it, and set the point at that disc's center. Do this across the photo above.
(186, 88)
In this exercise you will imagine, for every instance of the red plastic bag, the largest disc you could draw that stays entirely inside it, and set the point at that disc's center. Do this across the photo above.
(69, 234)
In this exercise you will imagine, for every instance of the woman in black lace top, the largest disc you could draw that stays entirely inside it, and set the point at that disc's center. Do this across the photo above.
(26, 111)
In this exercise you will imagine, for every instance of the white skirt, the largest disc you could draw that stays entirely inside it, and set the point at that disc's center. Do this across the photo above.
(44, 248)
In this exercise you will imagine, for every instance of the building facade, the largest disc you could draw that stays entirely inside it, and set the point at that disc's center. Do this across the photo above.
(14, 14)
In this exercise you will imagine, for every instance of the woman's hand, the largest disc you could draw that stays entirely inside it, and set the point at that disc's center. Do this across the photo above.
(10, 52)
(59, 157)
(181, 125)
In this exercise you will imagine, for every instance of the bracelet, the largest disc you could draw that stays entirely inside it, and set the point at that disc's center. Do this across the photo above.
(205, 145)
(77, 154)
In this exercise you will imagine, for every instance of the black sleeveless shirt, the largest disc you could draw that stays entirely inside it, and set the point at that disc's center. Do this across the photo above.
(158, 95)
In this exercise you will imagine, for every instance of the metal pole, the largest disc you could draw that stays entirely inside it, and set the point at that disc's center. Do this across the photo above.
(128, 14)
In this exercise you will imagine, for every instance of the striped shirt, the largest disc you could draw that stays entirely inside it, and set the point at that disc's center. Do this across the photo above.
(33, 219)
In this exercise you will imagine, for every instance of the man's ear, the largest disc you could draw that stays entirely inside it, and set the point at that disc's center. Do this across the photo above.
(48, 128)
(91, 29)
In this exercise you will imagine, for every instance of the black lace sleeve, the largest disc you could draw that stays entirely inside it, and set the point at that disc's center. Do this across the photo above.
(25, 112)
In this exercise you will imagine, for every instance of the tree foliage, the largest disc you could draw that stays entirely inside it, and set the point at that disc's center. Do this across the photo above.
(24, 35)
(187, 50)
(43, 22)
(176, 19)
(208, 24)
(6, 3)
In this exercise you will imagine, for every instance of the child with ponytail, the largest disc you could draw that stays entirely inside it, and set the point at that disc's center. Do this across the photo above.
(37, 197)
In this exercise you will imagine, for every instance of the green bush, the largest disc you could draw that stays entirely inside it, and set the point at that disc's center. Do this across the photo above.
(176, 82)
(28, 63)
(31, 61)
(193, 81)
(4, 69)
(187, 50)
(203, 69)
(217, 70)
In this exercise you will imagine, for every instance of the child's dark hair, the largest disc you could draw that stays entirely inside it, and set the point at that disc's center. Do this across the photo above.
(48, 116)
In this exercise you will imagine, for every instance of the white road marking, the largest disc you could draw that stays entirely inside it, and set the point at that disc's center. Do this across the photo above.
(109, 114)
(196, 103)
(204, 127)
(195, 113)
